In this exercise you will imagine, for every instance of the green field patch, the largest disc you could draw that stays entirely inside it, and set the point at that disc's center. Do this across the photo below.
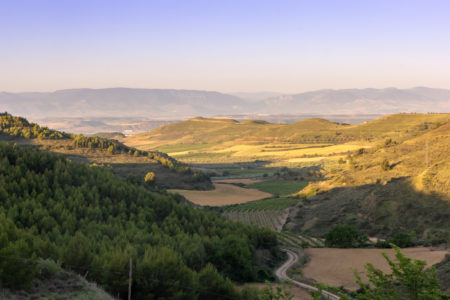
(183, 147)
(265, 204)
(248, 172)
(279, 187)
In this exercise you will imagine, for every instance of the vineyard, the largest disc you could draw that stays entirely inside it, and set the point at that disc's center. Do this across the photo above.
(295, 240)
(273, 219)
(271, 213)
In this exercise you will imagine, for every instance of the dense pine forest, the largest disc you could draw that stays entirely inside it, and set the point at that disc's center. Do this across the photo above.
(20, 127)
(92, 223)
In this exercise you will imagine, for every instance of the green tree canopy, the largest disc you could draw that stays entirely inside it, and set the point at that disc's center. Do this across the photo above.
(344, 236)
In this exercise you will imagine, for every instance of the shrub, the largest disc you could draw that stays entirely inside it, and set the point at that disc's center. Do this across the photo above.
(344, 236)
(385, 165)
(150, 178)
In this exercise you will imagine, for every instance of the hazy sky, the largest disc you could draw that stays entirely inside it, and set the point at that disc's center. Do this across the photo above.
(285, 46)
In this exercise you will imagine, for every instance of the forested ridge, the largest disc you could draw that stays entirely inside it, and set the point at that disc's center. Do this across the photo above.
(93, 223)
(20, 127)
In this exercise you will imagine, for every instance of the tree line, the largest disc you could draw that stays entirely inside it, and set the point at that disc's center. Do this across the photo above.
(20, 127)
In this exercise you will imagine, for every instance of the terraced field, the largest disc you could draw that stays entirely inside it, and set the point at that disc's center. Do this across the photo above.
(272, 214)
(272, 219)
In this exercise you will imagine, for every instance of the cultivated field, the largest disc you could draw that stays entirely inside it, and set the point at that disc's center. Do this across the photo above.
(238, 180)
(272, 219)
(334, 266)
(278, 187)
(223, 194)
(289, 153)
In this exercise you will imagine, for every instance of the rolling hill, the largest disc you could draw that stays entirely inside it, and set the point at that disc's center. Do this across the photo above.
(411, 193)
(216, 131)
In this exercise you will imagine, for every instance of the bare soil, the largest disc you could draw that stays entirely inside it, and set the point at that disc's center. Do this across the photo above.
(223, 194)
(334, 266)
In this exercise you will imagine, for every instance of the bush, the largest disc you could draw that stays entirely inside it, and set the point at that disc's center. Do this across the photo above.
(385, 165)
(344, 236)
(47, 268)
(150, 178)
(403, 240)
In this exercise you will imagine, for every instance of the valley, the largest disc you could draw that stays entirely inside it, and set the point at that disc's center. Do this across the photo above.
(224, 150)
(290, 183)
(319, 174)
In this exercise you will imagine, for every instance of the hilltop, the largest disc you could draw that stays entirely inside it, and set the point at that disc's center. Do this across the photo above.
(213, 131)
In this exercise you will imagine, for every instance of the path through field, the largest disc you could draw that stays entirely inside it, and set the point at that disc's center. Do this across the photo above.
(281, 273)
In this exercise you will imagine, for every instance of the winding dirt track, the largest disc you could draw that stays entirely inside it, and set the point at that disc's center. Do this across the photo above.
(282, 275)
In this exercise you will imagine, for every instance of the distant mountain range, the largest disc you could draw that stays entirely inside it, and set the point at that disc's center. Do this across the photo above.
(158, 103)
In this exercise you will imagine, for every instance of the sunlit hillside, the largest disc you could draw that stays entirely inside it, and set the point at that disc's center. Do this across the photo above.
(203, 140)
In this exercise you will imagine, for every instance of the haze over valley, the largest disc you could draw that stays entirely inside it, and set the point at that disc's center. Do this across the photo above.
(246, 150)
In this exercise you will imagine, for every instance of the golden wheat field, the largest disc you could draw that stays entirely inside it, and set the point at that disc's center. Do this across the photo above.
(223, 194)
(334, 266)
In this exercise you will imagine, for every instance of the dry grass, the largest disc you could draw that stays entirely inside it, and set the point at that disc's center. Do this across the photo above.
(223, 194)
(291, 151)
(288, 153)
(334, 266)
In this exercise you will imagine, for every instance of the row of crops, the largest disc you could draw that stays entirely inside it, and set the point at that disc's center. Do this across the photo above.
(272, 219)
(271, 213)
(295, 240)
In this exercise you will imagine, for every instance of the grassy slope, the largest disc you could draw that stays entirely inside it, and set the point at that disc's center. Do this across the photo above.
(53, 282)
(409, 196)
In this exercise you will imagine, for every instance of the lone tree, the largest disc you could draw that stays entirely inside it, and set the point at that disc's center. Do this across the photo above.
(385, 165)
(150, 178)
(344, 236)
(409, 280)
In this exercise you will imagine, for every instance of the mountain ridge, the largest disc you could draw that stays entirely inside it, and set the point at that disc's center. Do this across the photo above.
(173, 103)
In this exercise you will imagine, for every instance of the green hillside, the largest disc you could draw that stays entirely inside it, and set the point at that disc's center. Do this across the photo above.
(93, 223)
(51, 281)
(20, 127)
(126, 161)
